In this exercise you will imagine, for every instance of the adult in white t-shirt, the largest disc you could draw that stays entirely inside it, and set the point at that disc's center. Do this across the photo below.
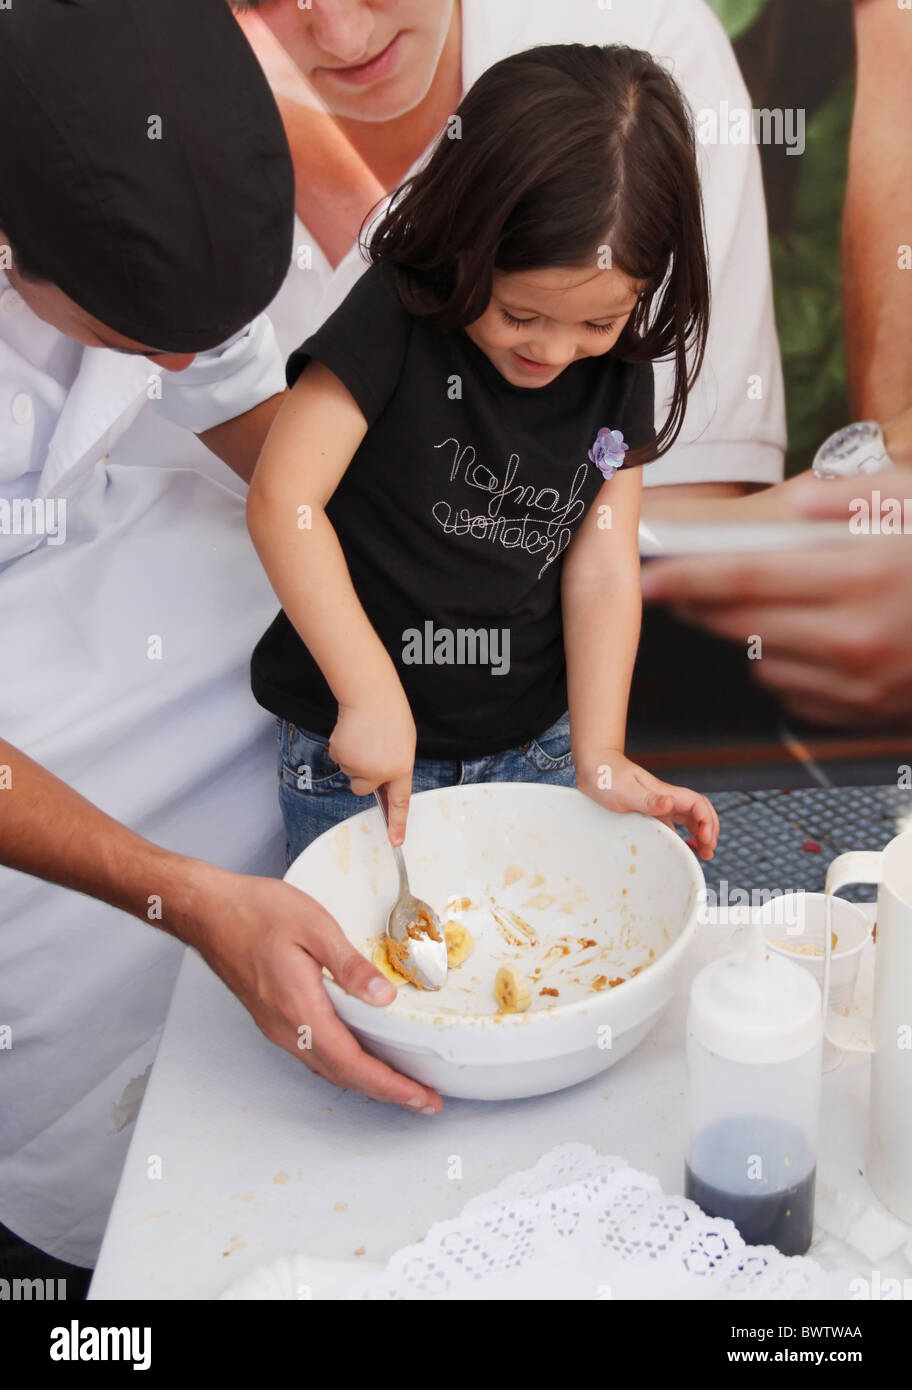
(357, 127)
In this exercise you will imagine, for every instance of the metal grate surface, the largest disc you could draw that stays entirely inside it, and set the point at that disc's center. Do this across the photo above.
(785, 840)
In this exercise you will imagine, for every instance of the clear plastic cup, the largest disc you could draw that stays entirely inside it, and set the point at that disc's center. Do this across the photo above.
(793, 927)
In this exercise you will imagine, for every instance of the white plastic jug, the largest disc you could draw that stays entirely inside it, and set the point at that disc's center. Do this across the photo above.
(890, 1133)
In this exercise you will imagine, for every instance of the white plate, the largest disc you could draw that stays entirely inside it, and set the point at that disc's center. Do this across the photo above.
(299, 1278)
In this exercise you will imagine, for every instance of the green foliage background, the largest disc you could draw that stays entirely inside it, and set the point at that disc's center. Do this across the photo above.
(805, 253)
(737, 15)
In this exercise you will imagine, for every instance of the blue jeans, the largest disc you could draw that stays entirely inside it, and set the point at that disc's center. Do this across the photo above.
(315, 795)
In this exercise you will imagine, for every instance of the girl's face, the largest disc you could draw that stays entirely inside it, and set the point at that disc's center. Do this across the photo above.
(367, 60)
(539, 321)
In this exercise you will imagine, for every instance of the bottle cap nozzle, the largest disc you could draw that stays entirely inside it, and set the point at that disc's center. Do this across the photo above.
(754, 1006)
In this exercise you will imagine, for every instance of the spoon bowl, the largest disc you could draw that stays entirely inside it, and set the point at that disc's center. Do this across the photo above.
(424, 958)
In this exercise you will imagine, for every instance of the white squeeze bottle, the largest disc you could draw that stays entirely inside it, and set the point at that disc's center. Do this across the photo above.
(754, 1042)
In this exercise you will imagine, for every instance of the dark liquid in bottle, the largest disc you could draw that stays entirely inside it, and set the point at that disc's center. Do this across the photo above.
(768, 1209)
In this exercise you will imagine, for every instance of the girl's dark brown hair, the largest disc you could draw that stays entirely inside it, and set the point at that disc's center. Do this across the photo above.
(559, 152)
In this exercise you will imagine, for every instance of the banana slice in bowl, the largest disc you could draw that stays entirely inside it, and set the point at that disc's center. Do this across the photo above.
(460, 943)
(511, 991)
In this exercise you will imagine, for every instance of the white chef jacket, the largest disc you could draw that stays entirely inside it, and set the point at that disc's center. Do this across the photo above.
(175, 747)
(154, 560)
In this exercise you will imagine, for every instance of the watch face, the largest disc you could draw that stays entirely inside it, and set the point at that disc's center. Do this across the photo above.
(858, 448)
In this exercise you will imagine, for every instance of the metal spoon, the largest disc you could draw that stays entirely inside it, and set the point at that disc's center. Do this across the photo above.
(425, 958)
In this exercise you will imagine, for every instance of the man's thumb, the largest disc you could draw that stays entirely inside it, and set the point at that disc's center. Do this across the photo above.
(353, 972)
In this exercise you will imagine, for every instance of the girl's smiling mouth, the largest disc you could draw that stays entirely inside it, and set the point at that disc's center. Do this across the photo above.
(528, 364)
(381, 65)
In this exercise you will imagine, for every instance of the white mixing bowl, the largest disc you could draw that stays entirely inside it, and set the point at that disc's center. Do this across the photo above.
(570, 895)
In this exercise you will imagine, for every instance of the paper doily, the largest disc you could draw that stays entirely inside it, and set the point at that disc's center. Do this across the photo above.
(583, 1225)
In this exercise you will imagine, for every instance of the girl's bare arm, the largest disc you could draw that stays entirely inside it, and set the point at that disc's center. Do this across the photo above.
(602, 603)
(309, 447)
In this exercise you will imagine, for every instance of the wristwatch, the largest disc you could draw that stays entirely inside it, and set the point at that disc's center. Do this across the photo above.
(857, 448)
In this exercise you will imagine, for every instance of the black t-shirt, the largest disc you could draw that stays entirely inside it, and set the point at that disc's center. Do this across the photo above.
(454, 515)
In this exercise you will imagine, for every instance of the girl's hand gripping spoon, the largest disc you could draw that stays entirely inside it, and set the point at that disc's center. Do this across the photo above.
(414, 942)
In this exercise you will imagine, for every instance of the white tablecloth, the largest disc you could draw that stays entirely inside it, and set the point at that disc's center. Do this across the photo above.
(260, 1159)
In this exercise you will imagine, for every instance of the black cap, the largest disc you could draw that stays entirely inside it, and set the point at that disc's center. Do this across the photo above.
(177, 241)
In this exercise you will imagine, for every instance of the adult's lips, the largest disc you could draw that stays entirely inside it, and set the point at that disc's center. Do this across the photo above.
(381, 65)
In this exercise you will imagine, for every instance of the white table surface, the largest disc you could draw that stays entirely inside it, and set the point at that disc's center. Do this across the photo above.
(259, 1158)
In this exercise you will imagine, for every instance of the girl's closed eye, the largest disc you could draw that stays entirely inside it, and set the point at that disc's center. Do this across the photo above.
(515, 322)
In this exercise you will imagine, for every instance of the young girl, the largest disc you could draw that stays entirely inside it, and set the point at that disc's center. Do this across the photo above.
(447, 504)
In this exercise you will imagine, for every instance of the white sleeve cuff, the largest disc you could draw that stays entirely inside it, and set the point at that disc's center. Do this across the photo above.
(226, 381)
(717, 461)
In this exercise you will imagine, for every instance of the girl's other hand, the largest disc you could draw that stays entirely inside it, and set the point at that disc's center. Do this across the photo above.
(615, 782)
(375, 744)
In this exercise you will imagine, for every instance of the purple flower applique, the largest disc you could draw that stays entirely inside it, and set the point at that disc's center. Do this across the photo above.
(607, 452)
